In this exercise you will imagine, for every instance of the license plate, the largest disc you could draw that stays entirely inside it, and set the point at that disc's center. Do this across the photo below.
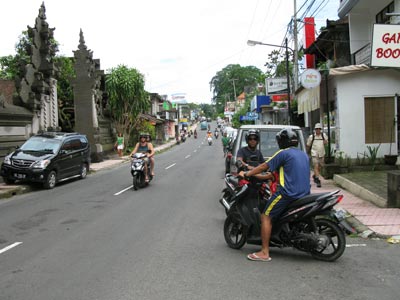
(340, 214)
(19, 176)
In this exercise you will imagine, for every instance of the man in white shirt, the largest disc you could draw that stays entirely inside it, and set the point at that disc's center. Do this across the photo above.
(316, 148)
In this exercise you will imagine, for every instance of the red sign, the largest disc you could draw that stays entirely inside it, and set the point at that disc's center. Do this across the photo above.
(309, 29)
(279, 97)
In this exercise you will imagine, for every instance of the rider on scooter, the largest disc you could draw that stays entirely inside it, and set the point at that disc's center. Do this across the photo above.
(294, 173)
(249, 157)
(143, 146)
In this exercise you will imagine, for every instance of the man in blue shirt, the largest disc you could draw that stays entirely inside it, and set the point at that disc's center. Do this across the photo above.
(294, 183)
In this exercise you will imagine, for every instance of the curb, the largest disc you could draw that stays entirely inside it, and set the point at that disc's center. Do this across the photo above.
(10, 191)
(359, 191)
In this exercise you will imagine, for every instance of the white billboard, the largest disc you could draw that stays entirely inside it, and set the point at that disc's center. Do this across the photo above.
(275, 85)
(385, 46)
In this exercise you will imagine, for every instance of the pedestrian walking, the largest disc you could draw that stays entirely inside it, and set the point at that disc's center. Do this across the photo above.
(316, 150)
(119, 144)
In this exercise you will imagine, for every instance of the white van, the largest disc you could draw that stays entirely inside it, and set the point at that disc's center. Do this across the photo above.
(267, 144)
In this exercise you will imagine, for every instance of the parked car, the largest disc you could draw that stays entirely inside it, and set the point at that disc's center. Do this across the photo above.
(267, 144)
(48, 158)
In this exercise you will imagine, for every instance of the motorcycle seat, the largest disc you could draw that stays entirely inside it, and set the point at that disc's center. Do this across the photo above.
(305, 200)
(311, 198)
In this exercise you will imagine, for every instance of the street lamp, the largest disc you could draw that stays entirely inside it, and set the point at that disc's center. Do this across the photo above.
(254, 43)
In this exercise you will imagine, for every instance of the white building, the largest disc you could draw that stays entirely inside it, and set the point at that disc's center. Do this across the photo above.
(363, 99)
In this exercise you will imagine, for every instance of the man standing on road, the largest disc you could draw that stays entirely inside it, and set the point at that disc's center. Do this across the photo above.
(316, 148)
(294, 173)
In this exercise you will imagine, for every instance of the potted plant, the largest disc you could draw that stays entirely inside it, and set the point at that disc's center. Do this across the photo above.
(391, 159)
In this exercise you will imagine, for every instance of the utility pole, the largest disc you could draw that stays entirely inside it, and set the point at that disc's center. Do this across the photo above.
(234, 89)
(295, 52)
(288, 83)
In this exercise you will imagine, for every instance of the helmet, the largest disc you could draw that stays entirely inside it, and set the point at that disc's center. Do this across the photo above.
(287, 138)
(254, 132)
(143, 134)
(318, 126)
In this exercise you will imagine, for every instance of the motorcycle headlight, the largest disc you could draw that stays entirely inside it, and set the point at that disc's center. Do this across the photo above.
(7, 160)
(42, 164)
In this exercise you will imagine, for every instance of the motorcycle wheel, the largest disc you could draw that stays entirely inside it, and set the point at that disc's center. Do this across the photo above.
(135, 183)
(235, 233)
(334, 240)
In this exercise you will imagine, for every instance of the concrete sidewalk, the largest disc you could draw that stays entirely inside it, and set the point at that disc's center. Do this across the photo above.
(359, 196)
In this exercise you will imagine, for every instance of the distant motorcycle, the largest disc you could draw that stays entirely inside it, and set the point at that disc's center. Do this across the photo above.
(138, 170)
(309, 224)
(209, 140)
(216, 134)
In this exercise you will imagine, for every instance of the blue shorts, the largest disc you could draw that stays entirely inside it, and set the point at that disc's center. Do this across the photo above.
(276, 205)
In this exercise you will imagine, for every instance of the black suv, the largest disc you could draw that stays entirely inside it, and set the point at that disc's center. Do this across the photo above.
(48, 157)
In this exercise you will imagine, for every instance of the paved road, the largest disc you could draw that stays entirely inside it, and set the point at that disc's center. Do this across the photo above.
(93, 239)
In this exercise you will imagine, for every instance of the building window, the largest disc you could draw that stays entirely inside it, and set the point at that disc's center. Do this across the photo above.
(381, 17)
(379, 120)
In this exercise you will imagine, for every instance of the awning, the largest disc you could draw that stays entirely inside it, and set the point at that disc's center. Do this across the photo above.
(153, 120)
(348, 70)
(308, 100)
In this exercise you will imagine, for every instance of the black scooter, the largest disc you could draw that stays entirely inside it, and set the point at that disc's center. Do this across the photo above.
(309, 224)
(138, 172)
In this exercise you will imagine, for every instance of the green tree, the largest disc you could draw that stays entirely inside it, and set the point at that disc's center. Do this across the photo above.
(127, 98)
(208, 110)
(65, 93)
(10, 65)
(231, 81)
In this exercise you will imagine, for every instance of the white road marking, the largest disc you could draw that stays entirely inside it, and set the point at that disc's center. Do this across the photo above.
(195, 150)
(187, 156)
(124, 190)
(170, 166)
(356, 245)
(10, 247)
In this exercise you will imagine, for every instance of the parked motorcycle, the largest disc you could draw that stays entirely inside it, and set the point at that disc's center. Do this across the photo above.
(309, 224)
(209, 140)
(138, 171)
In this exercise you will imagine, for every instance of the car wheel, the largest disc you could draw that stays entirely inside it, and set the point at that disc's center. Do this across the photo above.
(51, 180)
(84, 171)
(8, 180)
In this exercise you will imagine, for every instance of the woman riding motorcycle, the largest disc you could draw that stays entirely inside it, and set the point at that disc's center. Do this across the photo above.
(147, 148)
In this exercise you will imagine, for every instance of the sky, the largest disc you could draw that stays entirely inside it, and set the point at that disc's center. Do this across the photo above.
(178, 45)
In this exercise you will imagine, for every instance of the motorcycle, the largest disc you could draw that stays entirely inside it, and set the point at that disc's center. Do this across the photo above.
(209, 140)
(216, 134)
(138, 172)
(234, 187)
(183, 138)
(309, 224)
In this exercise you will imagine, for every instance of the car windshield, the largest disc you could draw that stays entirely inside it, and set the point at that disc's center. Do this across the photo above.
(41, 144)
(267, 145)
